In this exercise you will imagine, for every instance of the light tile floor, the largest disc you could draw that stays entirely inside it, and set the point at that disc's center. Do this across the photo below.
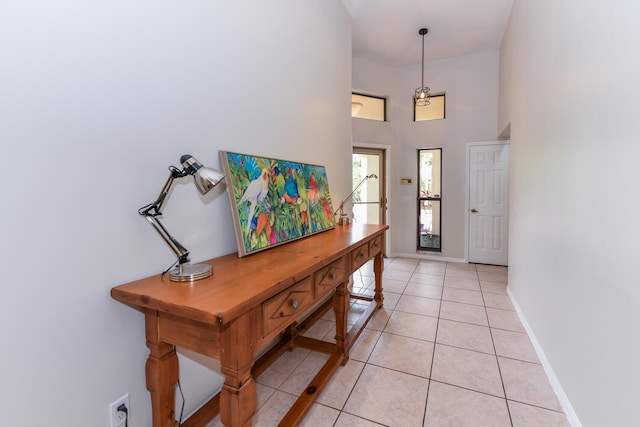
(447, 349)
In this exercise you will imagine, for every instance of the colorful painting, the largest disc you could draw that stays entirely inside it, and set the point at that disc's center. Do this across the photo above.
(275, 201)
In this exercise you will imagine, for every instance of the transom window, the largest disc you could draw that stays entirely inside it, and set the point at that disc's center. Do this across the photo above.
(368, 107)
(434, 111)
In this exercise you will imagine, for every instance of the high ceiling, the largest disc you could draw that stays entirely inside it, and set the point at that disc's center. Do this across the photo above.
(386, 31)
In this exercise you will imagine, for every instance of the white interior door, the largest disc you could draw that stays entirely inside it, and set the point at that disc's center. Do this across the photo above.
(489, 204)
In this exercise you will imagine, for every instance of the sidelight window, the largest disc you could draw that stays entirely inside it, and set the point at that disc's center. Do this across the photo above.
(430, 199)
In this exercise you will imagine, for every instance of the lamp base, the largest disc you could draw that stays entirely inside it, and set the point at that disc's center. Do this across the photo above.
(343, 220)
(190, 272)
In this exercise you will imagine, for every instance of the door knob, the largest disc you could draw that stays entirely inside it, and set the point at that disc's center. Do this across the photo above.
(474, 210)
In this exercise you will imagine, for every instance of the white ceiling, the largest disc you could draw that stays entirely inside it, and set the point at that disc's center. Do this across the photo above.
(386, 31)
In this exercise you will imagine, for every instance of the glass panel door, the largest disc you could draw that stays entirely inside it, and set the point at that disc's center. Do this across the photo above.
(430, 199)
(368, 199)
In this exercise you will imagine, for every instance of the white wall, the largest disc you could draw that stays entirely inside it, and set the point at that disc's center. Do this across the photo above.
(97, 99)
(569, 90)
(471, 86)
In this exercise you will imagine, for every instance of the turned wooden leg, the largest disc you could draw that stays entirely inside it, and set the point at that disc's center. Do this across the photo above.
(238, 395)
(341, 301)
(162, 374)
(378, 266)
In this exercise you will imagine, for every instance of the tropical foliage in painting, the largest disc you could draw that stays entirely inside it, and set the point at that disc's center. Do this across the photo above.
(275, 201)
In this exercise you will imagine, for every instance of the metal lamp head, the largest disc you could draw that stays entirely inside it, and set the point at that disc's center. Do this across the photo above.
(205, 178)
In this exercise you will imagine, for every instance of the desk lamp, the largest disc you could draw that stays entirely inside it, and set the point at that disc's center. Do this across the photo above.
(205, 179)
(343, 219)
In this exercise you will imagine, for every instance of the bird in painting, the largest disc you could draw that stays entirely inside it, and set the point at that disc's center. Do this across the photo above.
(255, 193)
(312, 190)
(279, 180)
(291, 193)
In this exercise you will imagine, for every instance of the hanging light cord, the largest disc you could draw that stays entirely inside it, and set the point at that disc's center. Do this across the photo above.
(422, 81)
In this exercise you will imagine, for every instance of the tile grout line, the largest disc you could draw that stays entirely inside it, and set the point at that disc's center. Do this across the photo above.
(504, 390)
(433, 353)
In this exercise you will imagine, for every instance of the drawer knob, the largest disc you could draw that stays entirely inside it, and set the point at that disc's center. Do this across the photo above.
(333, 276)
(294, 303)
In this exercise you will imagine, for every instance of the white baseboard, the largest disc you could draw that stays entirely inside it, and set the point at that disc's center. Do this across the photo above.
(571, 415)
(427, 257)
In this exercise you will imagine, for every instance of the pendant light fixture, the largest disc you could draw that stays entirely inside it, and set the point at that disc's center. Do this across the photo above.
(422, 93)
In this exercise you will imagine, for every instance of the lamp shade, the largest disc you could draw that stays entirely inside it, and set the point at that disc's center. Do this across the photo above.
(205, 178)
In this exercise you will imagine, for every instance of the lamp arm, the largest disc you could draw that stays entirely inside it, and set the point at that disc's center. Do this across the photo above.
(152, 211)
(181, 252)
(351, 194)
(155, 208)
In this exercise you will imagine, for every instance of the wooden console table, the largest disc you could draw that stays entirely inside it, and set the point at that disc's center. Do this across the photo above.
(246, 305)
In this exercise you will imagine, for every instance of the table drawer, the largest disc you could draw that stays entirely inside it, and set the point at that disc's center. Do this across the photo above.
(375, 246)
(359, 256)
(330, 276)
(286, 306)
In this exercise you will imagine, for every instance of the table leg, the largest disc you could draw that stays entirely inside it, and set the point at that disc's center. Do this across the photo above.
(341, 300)
(378, 267)
(162, 374)
(238, 395)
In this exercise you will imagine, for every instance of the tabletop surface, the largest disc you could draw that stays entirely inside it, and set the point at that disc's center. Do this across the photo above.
(238, 284)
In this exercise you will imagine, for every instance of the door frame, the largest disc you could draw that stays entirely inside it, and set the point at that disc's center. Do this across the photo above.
(467, 184)
(386, 149)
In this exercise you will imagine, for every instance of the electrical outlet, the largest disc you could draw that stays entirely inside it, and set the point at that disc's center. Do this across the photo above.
(119, 418)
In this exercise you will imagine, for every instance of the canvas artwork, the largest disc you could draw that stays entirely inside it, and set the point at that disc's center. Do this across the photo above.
(275, 201)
